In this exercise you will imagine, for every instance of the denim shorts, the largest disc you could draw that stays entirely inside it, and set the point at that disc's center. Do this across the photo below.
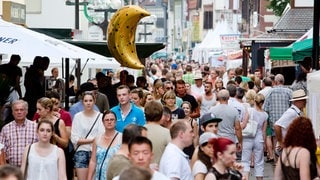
(81, 159)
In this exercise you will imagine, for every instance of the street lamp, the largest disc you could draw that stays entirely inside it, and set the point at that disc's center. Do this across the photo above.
(93, 12)
(255, 18)
(150, 20)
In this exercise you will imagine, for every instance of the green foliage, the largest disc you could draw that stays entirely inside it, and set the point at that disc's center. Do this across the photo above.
(278, 6)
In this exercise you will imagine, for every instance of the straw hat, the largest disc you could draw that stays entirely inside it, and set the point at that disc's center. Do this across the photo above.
(197, 76)
(299, 95)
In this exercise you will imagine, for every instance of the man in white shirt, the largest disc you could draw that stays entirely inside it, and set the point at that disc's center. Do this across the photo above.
(299, 99)
(174, 162)
(198, 87)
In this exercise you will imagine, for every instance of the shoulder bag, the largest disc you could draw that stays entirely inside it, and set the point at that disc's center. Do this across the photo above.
(75, 150)
(27, 163)
(105, 155)
(251, 128)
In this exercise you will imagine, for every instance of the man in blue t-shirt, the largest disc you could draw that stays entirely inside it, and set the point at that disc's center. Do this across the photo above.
(126, 112)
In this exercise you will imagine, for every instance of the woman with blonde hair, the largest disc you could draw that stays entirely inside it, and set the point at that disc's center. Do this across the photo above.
(218, 85)
(158, 90)
(254, 145)
(250, 95)
(45, 111)
(169, 100)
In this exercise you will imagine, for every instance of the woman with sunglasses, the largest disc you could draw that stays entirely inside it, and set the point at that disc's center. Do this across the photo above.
(87, 125)
(104, 147)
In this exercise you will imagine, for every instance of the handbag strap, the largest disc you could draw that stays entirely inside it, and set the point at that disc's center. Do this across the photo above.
(250, 111)
(27, 163)
(105, 155)
(89, 131)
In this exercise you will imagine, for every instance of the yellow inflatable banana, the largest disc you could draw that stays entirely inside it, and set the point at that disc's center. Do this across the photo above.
(121, 35)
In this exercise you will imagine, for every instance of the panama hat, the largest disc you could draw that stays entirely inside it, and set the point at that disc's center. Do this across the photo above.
(299, 95)
(197, 76)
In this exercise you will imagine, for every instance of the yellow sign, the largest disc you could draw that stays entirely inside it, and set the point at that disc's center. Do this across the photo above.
(195, 29)
(14, 12)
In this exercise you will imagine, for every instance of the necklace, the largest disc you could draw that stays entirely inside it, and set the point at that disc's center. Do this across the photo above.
(108, 137)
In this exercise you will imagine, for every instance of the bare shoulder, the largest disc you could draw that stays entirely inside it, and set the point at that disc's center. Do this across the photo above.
(303, 153)
(210, 176)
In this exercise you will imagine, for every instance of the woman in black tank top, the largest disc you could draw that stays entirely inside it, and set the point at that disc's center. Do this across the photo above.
(45, 111)
(298, 159)
(224, 158)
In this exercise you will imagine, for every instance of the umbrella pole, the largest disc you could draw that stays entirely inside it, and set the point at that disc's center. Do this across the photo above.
(66, 98)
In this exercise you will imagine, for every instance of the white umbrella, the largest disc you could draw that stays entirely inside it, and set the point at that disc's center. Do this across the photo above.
(15, 39)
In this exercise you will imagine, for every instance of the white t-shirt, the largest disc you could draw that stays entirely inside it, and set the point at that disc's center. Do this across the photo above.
(288, 116)
(199, 167)
(197, 90)
(239, 107)
(81, 125)
(159, 176)
(174, 163)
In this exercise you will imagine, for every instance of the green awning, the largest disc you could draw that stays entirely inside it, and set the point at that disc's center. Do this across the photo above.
(297, 51)
(281, 53)
(302, 49)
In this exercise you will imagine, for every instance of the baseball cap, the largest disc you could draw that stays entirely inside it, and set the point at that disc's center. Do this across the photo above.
(206, 136)
(208, 118)
(174, 66)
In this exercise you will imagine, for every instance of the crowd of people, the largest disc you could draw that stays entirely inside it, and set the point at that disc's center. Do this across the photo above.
(176, 120)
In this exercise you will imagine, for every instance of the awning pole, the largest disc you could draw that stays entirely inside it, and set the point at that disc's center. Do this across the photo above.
(66, 98)
(315, 49)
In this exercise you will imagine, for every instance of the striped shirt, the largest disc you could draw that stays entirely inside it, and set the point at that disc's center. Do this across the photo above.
(15, 138)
